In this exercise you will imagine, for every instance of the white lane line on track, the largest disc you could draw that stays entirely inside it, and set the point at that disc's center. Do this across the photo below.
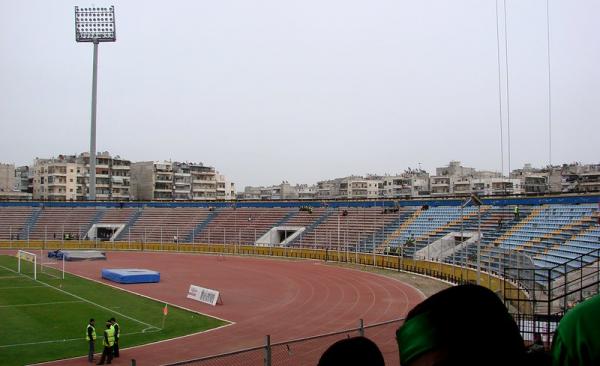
(149, 326)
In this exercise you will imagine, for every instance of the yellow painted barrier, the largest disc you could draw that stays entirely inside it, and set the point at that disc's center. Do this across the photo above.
(443, 271)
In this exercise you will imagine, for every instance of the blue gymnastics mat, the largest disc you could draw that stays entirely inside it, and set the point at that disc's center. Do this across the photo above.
(131, 275)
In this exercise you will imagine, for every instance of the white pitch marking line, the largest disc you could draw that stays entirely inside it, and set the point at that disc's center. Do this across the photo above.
(40, 303)
(150, 326)
(11, 287)
(9, 277)
(59, 340)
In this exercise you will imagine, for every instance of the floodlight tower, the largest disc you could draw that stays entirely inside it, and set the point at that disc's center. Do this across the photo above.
(95, 24)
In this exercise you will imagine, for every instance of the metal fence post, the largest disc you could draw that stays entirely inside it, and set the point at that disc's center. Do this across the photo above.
(361, 328)
(267, 358)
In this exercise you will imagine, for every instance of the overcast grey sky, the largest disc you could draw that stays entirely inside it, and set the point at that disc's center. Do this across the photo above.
(275, 90)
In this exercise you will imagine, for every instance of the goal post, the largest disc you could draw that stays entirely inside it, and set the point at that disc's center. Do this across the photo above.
(52, 266)
(40, 267)
(27, 263)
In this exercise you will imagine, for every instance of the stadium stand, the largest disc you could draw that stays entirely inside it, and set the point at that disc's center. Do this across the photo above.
(549, 232)
(347, 227)
(240, 225)
(164, 224)
(62, 222)
(13, 221)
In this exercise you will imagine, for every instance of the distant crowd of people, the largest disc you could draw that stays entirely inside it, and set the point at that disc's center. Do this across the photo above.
(469, 325)
(110, 341)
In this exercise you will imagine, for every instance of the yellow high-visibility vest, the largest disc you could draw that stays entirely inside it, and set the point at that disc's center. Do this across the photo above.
(109, 337)
(87, 336)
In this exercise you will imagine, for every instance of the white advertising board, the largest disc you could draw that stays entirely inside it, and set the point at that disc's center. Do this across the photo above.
(204, 295)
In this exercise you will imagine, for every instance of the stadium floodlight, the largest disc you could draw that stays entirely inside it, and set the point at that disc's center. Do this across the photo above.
(95, 25)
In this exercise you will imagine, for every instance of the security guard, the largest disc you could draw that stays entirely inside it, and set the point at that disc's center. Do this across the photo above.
(90, 337)
(115, 327)
(109, 341)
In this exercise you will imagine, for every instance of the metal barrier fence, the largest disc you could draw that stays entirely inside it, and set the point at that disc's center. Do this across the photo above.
(306, 351)
(547, 293)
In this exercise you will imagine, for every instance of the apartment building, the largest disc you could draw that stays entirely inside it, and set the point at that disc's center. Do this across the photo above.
(168, 181)
(66, 177)
(490, 186)
(152, 180)
(56, 179)
(359, 188)
(327, 189)
(204, 182)
(409, 184)
(7, 177)
(112, 177)
(23, 179)
(282, 191)
(306, 192)
(575, 177)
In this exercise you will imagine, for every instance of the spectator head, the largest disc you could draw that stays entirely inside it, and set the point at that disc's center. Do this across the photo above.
(461, 325)
(354, 351)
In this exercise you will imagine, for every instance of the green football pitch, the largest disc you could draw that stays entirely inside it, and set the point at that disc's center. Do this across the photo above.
(46, 319)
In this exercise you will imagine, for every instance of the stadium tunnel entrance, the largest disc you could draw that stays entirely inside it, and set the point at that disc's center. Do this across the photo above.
(280, 236)
(105, 232)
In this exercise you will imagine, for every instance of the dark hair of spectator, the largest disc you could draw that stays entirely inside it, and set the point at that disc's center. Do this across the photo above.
(354, 351)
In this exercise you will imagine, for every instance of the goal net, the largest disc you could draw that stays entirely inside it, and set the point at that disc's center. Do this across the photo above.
(38, 266)
(27, 263)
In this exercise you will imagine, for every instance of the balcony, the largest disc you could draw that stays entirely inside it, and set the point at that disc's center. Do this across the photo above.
(204, 181)
(120, 167)
(202, 189)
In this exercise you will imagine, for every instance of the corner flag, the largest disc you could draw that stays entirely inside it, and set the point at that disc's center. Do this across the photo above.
(165, 310)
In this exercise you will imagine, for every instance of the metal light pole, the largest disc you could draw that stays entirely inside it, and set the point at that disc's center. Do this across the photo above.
(95, 24)
(479, 244)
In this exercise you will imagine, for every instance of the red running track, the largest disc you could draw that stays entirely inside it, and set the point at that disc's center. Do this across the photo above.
(286, 299)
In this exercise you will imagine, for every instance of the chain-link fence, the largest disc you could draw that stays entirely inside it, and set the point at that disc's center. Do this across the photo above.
(305, 351)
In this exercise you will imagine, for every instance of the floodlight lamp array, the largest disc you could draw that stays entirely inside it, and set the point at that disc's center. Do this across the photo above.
(95, 24)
